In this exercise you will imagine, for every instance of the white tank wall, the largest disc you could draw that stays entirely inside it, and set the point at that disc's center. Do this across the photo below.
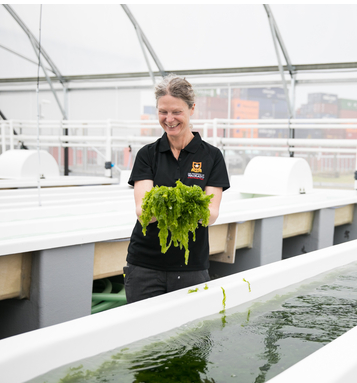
(80, 338)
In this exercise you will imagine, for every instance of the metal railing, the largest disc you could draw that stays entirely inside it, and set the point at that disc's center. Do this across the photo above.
(108, 137)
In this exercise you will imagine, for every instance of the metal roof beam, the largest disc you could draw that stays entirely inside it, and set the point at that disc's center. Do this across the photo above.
(140, 38)
(281, 69)
(280, 39)
(40, 51)
(48, 79)
(198, 72)
(24, 57)
(34, 41)
(145, 40)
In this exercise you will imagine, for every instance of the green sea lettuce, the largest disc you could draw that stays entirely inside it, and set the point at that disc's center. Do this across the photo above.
(178, 210)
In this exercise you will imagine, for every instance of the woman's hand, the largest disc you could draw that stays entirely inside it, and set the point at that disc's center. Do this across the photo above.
(153, 219)
(140, 188)
(215, 202)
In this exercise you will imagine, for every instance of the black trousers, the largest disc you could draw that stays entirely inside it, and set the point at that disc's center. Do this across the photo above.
(141, 282)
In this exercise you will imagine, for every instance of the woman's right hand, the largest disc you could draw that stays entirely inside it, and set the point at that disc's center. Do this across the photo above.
(140, 188)
(153, 219)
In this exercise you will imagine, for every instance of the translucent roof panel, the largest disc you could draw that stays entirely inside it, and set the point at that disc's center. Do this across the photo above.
(100, 39)
(208, 36)
(323, 33)
(80, 39)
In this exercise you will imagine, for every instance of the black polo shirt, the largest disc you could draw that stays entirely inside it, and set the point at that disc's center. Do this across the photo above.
(199, 163)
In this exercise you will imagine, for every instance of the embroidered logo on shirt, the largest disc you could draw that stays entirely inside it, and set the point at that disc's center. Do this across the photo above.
(196, 167)
(196, 176)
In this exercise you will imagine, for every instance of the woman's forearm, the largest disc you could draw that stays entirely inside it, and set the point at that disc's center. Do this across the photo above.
(215, 202)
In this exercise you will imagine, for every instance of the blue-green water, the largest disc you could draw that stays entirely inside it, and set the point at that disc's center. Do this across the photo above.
(250, 343)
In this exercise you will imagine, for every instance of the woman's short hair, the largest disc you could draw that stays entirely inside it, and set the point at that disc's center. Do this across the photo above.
(175, 86)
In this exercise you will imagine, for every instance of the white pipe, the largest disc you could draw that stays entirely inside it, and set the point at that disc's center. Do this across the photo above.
(283, 149)
(110, 141)
(3, 137)
(11, 135)
(202, 121)
(205, 131)
(239, 143)
(324, 150)
(64, 138)
(327, 126)
(289, 142)
(286, 126)
(286, 121)
(255, 120)
(214, 132)
(324, 120)
(323, 142)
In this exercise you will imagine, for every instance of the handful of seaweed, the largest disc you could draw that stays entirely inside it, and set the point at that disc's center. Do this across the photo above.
(177, 209)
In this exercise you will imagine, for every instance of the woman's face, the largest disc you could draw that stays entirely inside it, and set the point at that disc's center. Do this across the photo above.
(174, 116)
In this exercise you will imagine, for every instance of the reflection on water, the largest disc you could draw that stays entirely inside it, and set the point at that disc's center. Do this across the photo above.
(183, 360)
(250, 343)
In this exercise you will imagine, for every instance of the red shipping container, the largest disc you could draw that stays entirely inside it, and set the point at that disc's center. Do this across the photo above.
(351, 134)
(211, 107)
(347, 113)
(336, 133)
(325, 108)
(54, 152)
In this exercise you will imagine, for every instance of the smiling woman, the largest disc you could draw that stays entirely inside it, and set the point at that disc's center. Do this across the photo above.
(176, 104)
(179, 154)
(174, 117)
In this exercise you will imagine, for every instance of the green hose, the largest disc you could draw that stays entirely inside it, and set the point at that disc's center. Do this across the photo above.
(107, 289)
(112, 295)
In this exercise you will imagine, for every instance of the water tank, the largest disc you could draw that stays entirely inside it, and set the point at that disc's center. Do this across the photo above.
(15, 164)
(277, 176)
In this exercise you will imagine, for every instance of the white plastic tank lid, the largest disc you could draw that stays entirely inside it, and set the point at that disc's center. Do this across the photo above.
(277, 176)
(20, 164)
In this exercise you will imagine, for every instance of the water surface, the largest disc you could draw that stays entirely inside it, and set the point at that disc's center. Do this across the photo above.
(250, 343)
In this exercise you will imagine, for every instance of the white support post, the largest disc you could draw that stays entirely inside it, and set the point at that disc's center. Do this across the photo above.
(3, 137)
(229, 108)
(108, 149)
(59, 154)
(205, 131)
(11, 135)
(215, 132)
(293, 94)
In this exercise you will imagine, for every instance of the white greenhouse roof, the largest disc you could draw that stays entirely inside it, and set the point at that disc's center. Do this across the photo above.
(101, 39)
